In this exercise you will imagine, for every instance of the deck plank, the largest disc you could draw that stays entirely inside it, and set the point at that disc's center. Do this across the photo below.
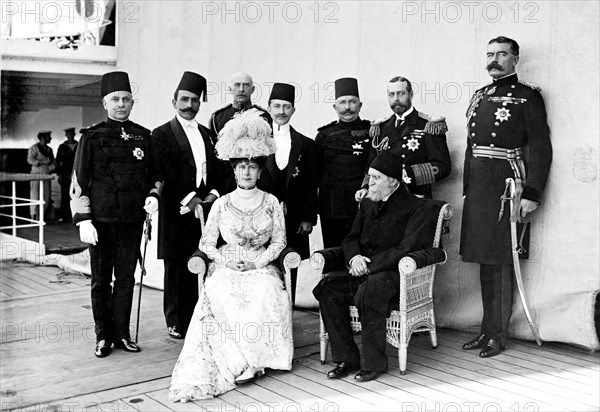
(50, 368)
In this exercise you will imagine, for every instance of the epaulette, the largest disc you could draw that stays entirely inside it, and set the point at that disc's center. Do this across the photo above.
(531, 85)
(374, 130)
(327, 126)
(92, 127)
(435, 124)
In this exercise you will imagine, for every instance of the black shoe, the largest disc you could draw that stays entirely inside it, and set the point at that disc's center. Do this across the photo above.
(342, 369)
(493, 348)
(175, 332)
(478, 342)
(127, 345)
(366, 376)
(102, 348)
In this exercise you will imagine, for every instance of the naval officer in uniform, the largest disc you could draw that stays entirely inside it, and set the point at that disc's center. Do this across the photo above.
(420, 140)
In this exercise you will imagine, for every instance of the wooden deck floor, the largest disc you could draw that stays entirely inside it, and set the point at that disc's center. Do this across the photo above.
(47, 364)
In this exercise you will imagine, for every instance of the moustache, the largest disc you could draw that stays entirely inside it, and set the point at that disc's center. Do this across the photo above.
(348, 111)
(189, 110)
(494, 65)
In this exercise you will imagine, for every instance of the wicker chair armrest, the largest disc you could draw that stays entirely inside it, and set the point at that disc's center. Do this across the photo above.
(289, 258)
(197, 263)
(421, 258)
(328, 260)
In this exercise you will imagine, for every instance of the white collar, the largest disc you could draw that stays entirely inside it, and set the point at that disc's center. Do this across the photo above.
(281, 130)
(185, 122)
(406, 113)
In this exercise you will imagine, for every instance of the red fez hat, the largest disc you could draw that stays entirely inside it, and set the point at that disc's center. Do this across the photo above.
(193, 82)
(115, 82)
(283, 91)
(389, 164)
(346, 86)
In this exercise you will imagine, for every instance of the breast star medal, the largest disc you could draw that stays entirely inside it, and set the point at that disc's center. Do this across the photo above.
(502, 114)
(413, 144)
(138, 153)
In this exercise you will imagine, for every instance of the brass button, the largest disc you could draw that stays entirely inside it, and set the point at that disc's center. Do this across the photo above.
(496, 124)
(493, 134)
(492, 145)
(512, 86)
(509, 94)
(472, 134)
(403, 146)
(474, 114)
(403, 156)
(474, 145)
(473, 124)
(504, 103)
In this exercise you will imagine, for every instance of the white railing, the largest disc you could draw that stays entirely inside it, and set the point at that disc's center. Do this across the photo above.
(16, 201)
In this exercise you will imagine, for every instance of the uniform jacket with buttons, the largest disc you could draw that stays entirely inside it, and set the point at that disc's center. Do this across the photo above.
(506, 114)
(425, 154)
(343, 150)
(110, 178)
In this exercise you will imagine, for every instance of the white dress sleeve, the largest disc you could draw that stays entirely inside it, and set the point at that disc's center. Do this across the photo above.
(210, 234)
(278, 239)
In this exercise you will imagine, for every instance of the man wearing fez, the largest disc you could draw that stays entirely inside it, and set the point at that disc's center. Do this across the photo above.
(343, 149)
(108, 187)
(290, 173)
(187, 177)
(504, 118)
(390, 223)
(64, 167)
(241, 88)
(41, 158)
(420, 140)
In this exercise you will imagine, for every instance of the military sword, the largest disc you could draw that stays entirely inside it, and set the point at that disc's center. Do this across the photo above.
(515, 201)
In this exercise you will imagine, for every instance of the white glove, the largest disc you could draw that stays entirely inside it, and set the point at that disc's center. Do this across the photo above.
(87, 232)
(151, 205)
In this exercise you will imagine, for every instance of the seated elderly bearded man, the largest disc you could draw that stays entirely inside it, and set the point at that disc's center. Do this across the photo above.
(390, 223)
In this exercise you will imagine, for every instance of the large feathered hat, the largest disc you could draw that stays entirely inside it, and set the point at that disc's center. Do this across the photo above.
(245, 136)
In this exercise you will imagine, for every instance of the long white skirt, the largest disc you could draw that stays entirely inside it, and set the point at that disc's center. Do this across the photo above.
(241, 320)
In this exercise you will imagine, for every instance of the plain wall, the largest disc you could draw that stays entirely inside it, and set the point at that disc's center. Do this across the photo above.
(440, 47)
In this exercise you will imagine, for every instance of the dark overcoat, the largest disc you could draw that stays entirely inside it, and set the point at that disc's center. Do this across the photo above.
(405, 223)
(505, 114)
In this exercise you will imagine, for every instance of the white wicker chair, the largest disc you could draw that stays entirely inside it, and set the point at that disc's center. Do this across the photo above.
(417, 274)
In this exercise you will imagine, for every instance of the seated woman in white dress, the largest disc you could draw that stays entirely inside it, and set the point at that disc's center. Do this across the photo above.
(242, 323)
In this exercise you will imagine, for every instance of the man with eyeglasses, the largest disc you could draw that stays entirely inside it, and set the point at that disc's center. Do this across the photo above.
(241, 88)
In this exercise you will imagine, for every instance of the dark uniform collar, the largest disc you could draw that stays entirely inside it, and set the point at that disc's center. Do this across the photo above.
(116, 124)
(506, 80)
(243, 107)
(351, 125)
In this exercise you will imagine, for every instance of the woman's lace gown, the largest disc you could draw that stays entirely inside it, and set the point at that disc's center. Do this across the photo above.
(242, 319)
